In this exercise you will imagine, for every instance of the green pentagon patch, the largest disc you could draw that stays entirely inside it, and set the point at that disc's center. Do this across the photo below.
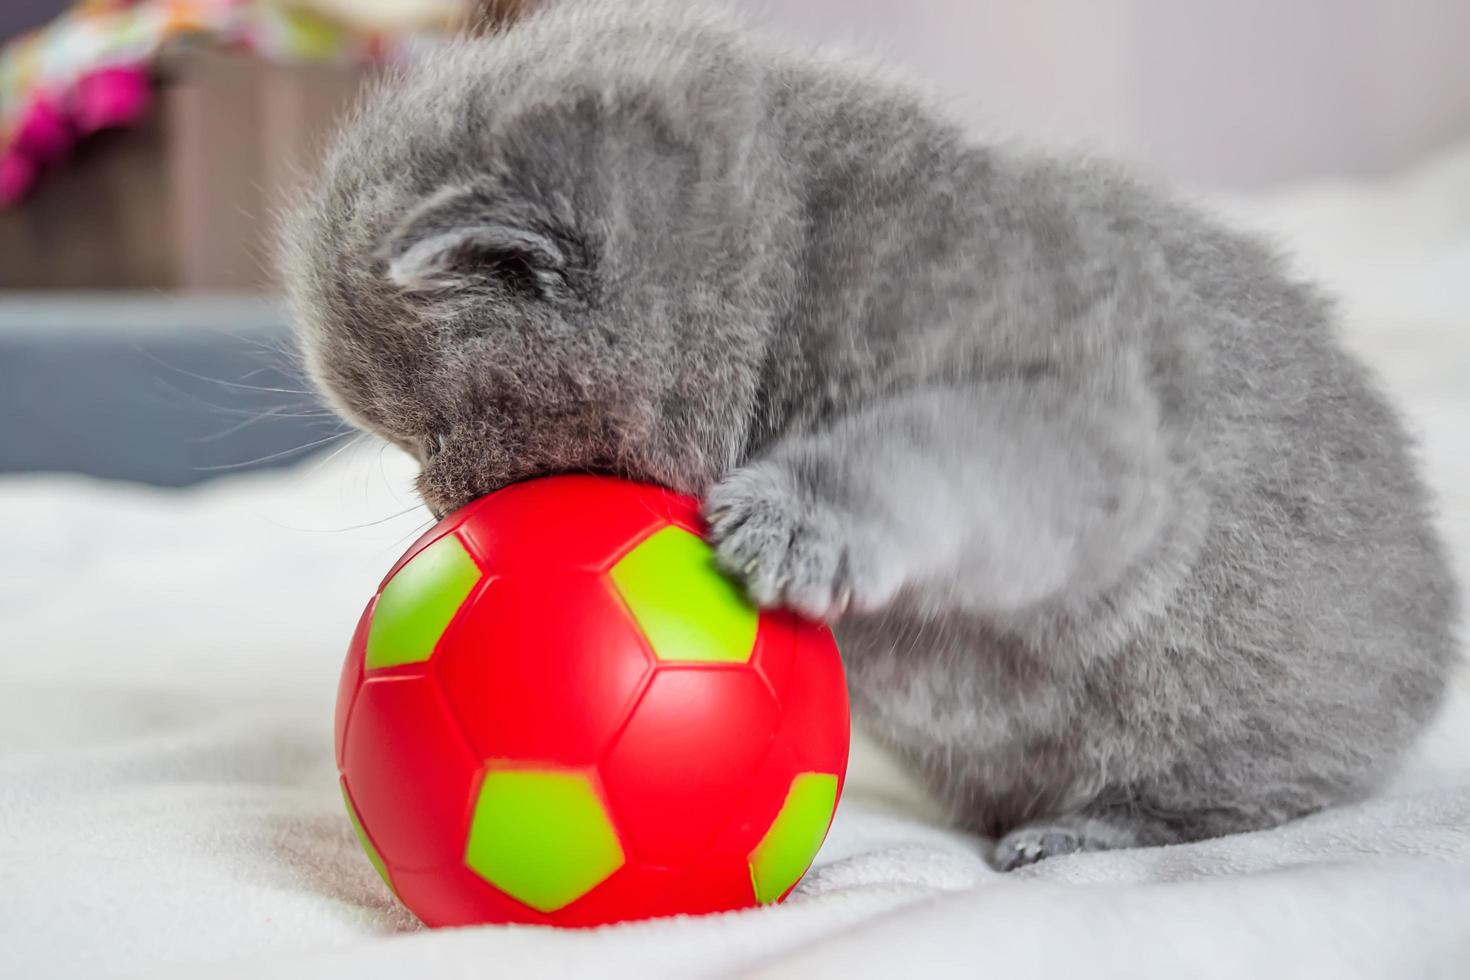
(794, 837)
(367, 845)
(688, 610)
(417, 604)
(541, 837)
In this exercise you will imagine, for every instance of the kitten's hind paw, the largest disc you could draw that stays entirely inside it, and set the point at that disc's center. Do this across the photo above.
(1066, 835)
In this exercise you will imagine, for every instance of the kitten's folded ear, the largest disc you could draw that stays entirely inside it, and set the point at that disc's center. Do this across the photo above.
(457, 240)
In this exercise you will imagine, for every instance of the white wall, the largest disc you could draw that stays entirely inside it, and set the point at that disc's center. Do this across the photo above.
(1217, 92)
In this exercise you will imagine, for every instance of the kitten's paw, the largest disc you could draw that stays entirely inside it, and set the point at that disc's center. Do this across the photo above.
(794, 551)
(1067, 835)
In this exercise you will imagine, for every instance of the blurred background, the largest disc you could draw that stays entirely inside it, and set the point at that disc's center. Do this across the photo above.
(190, 536)
(145, 148)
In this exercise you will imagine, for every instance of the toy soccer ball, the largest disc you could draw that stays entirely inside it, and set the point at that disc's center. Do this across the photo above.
(556, 710)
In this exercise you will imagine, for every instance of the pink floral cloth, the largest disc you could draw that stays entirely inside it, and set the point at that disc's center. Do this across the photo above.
(91, 68)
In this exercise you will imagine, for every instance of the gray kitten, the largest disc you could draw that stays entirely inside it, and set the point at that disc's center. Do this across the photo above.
(1120, 546)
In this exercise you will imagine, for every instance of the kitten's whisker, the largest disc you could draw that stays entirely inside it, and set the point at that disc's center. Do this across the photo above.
(269, 457)
(419, 529)
(355, 527)
(360, 438)
(227, 384)
(257, 417)
(288, 353)
(306, 410)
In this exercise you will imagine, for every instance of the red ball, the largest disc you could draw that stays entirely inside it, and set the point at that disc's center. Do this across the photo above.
(556, 710)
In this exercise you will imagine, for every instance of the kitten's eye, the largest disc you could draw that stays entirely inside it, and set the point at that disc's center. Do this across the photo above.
(516, 274)
(472, 255)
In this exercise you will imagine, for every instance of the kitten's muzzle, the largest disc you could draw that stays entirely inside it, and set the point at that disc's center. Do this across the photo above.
(462, 464)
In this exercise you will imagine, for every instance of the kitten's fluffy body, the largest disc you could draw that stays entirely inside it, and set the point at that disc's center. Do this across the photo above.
(1120, 545)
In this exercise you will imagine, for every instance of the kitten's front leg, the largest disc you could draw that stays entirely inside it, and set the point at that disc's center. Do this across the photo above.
(992, 497)
(782, 530)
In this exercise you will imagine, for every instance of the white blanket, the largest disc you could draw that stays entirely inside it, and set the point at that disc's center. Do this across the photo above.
(168, 804)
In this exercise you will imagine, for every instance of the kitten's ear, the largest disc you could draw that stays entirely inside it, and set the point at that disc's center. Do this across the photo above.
(455, 241)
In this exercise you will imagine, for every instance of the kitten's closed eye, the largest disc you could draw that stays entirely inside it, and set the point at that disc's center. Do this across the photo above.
(456, 241)
(515, 257)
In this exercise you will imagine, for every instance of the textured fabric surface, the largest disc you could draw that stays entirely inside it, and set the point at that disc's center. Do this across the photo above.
(168, 803)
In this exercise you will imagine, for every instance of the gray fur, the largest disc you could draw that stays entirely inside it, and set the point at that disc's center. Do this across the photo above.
(1121, 547)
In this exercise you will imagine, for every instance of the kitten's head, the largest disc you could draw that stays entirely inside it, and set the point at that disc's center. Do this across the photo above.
(558, 249)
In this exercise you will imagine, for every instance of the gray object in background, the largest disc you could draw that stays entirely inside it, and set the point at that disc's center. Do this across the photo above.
(150, 388)
(18, 16)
